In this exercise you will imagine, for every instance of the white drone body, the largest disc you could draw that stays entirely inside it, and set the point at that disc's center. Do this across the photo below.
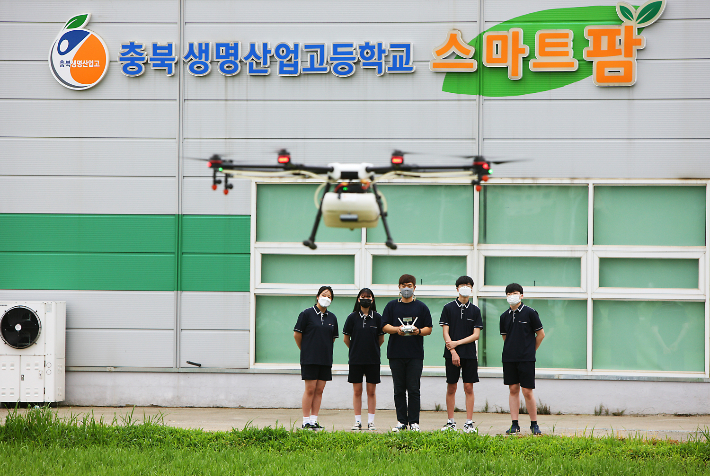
(350, 210)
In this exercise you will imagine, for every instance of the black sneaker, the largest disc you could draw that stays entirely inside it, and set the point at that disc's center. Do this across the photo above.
(316, 426)
(513, 429)
(535, 429)
(307, 426)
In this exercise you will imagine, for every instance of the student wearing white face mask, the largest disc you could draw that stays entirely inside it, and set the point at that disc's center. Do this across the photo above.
(462, 323)
(522, 334)
(315, 332)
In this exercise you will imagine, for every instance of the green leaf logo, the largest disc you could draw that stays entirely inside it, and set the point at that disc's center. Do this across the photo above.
(78, 21)
(649, 12)
(625, 11)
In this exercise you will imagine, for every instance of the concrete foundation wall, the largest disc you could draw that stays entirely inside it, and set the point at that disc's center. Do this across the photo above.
(269, 390)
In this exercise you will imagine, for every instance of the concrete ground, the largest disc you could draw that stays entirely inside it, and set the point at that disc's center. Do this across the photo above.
(224, 419)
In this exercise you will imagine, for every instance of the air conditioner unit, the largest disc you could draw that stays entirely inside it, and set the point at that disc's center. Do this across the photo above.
(32, 351)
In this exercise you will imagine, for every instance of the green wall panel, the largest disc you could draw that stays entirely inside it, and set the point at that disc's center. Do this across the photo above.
(308, 269)
(565, 325)
(534, 214)
(649, 336)
(427, 214)
(649, 216)
(427, 269)
(286, 212)
(88, 233)
(648, 273)
(215, 234)
(214, 272)
(88, 271)
(533, 271)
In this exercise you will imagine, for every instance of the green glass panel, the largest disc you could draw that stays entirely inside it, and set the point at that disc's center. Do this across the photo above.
(648, 273)
(649, 336)
(214, 272)
(215, 234)
(565, 325)
(88, 271)
(88, 233)
(308, 269)
(649, 216)
(426, 214)
(276, 316)
(286, 212)
(534, 214)
(427, 269)
(533, 271)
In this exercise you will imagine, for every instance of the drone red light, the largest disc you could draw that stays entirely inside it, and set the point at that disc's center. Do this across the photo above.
(397, 159)
(478, 188)
(214, 187)
(284, 158)
(485, 178)
(485, 166)
(226, 191)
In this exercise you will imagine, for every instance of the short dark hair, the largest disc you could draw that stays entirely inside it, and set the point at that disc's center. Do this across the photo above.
(323, 288)
(512, 287)
(464, 280)
(373, 307)
(407, 278)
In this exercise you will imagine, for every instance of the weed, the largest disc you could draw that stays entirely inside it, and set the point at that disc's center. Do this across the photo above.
(618, 412)
(485, 407)
(601, 410)
(457, 409)
(500, 410)
(437, 407)
(543, 409)
(523, 410)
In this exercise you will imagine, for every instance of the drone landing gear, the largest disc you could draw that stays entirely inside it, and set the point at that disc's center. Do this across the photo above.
(389, 243)
(311, 241)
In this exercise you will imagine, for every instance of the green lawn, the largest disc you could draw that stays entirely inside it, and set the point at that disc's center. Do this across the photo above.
(38, 442)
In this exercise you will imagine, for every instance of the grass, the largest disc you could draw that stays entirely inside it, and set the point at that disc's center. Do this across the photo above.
(602, 410)
(39, 442)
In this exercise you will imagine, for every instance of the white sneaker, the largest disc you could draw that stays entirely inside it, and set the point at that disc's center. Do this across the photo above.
(357, 426)
(450, 426)
(371, 426)
(399, 427)
(469, 428)
(414, 426)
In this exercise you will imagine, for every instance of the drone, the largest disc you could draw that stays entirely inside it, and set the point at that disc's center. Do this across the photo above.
(355, 201)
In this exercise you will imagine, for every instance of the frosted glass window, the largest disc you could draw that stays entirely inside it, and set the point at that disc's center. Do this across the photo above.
(649, 336)
(534, 214)
(648, 273)
(650, 216)
(286, 212)
(427, 214)
(308, 269)
(533, 271)
(442, 270)
(565, 325)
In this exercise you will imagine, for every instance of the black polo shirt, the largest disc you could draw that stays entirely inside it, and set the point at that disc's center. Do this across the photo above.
(319, 330)
(406, 347)
(519, 327)
(364, 331)
(462, 319)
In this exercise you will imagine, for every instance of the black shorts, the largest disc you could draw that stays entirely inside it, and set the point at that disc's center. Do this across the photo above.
(519, 372)
(469, 368)
(370, 371)
(316, 372)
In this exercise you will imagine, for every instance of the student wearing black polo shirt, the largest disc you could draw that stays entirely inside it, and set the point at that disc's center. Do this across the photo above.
(406, 351)
(462, 324)
(363, 335)
(522, 334)
(315, 332)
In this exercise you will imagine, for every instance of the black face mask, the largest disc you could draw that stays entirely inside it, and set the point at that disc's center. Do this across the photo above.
(365, 302)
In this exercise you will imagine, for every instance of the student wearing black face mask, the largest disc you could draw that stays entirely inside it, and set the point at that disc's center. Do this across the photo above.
(363, 335)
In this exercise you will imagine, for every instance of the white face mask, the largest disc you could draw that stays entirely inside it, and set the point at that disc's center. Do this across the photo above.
(324, 301)
(465, 291)
(513, 299)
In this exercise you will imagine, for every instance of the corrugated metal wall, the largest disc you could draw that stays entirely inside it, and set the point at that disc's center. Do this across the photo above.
(115, 149)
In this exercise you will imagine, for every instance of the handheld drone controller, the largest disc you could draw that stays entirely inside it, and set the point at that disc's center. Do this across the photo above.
(408, 327)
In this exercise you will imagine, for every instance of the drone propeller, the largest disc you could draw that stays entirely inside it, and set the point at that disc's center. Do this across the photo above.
(484, 159)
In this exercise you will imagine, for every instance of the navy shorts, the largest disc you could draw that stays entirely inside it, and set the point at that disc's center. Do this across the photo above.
(316, 372)
(469, 368)
(519, 372)
(371, 373)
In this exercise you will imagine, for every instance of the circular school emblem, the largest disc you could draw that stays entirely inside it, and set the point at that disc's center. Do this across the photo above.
(78, 58)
